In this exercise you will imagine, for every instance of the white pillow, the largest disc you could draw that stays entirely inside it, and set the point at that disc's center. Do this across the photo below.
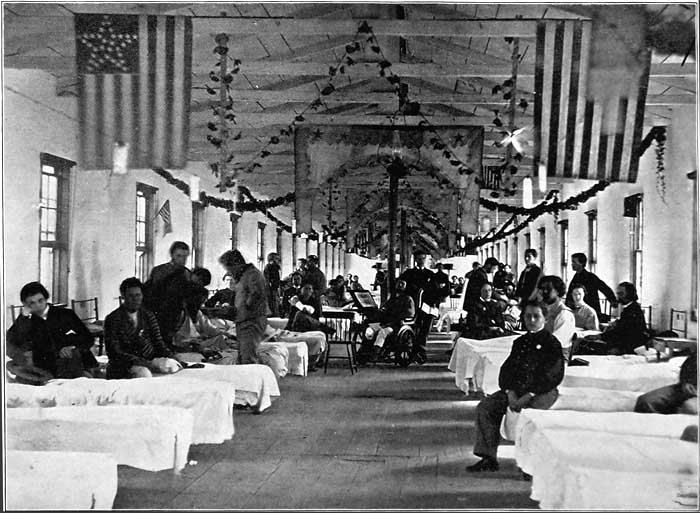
(166, 365)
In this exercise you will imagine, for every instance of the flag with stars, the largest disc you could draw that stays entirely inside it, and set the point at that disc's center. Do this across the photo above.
(135, 80)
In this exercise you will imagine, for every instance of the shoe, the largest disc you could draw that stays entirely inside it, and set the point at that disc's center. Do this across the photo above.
(419, 358)
(484, 465)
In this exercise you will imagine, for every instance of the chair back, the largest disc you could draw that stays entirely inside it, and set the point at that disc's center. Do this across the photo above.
(679, 322)
(342, 322)
(86, 309)
(646, 310)
(16, 311)
(605, 307)
(454, 302)
(417, 305)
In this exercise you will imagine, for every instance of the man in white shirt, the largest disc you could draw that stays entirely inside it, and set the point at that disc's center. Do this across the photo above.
(559, 319)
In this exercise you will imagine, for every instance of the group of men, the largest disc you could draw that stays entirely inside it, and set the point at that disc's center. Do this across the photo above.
(550, 314)
(150, 329)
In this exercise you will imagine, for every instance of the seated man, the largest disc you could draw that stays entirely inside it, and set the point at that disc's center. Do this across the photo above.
(198, 334)
(223, 299)
(626, 333)
(305, 312)
(132, 337)
(293, 289)
(49, 337)
(509, 306)
(678, 398)
(392, 315)
(584, 315)
(528, 379)
(484, 317)
(337, 295)
(559, 320)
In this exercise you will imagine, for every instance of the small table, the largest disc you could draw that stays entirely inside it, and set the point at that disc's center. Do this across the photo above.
(674, 343)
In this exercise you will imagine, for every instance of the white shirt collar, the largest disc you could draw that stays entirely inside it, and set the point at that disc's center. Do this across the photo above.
(45, 313)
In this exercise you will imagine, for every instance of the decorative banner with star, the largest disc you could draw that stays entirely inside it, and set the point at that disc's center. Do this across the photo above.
(135, 81)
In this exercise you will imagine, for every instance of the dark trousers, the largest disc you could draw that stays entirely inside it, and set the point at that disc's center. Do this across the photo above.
(489, 414)
(423, 323)
(664, 400)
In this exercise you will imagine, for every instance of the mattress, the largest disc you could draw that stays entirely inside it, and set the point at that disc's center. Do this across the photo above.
(51, 480)
(254, 384)
(211, 403)
(147, 437)
(578, 469)
(624, 373)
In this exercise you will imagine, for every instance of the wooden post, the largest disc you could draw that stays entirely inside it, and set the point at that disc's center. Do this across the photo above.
(393, 206)
(404, 242)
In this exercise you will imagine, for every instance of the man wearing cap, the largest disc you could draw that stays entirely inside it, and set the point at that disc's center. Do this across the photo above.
(315, 277)
(418, 278)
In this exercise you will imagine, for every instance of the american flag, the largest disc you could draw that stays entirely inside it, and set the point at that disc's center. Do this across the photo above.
(164, 214)
(589, 107)
(135, 81)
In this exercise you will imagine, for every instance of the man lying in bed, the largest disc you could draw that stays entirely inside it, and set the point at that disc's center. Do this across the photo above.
(134, 344)
(677, 398)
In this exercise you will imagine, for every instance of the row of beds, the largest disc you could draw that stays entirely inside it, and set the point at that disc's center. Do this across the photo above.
(590, 450)
(67, 437)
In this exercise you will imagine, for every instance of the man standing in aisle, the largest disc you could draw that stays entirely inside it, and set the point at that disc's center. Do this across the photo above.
(272, 276)
(418, 278)
(526, 290)
(591, 283)
(250, 303)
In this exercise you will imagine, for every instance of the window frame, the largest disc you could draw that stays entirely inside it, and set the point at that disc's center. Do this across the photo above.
(592, 239)
(260, 244)
(564, 248)
(60, 244)
(636, 243)
(147, 249)
(542, 231)
(199, 220)
(234, 219)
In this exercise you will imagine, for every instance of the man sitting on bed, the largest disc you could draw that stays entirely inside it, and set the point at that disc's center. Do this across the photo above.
(559, 320)
(485, 316)
(132, 337)
(678, 398)
(49, 337)
(528, 379)
(626, 333)
(306, 310)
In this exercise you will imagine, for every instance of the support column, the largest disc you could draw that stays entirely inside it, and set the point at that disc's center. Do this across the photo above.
(393, 206)
(404, 243)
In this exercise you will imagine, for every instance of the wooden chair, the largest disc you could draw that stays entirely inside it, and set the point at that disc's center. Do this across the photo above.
(16, 311)
(344, 335)
(87, 311)
(679, 322)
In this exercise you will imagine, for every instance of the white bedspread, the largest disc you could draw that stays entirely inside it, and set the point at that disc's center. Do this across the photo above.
(578, 469)
(595, 399)
(295, 356)
(629, 372)
(146, 437)
(211, 403)
(254, 384)
(60, 480)
(467, 353)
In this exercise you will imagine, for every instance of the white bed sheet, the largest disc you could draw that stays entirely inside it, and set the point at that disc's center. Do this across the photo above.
(295, 356)
(577, 469)
(624, 373)
(147, 437)
(467, 352)
(255, 384)
(211, 403)
(53, 480)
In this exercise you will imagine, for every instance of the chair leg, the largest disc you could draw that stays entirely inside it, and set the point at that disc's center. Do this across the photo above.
(353, 347)
(327, 355)
(347, 348)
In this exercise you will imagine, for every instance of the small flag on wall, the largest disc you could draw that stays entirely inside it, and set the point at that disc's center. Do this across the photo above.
(164, 214)
(134, 76)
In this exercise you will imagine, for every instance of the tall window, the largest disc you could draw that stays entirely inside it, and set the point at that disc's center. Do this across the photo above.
(564, 249)
(198, 233)
(592, 239)
(528, 241)
(261, 245)
(278, 246)
(506, 257)
(543, 246)
(498, 252)
(636, 230)
(145, 216)
(516, 261)
(234, 229)
(54, 225)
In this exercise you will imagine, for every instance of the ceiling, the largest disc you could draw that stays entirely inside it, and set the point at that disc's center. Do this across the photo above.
(450, 55)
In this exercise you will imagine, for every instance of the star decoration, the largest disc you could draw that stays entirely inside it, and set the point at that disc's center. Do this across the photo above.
(107, 49)
(317, 134)
(459, 139)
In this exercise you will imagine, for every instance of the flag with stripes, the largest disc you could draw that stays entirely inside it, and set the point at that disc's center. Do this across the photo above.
(589, 107)
(135, 80)
(164, 214)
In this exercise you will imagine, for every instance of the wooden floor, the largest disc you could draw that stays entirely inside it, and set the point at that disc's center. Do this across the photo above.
(384, 438)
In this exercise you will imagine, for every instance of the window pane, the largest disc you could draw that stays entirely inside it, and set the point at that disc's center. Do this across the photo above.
(47, 169)
(140, 208)
(53, 192)
(140, 234)
(46, 268)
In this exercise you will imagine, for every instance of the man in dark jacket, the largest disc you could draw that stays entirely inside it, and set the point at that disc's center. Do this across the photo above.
(526, 289)
(528, 379)
(132, 337)
(479, 277)
(418, 278)
(591, 283)
(485, 319)
(59, 342)
(672, 398)
(272, 276)
(623, 335)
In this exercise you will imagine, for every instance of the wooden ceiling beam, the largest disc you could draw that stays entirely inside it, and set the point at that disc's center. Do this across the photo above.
(310, 49)
(383, 27)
